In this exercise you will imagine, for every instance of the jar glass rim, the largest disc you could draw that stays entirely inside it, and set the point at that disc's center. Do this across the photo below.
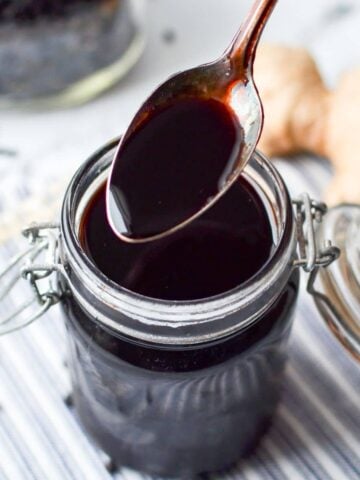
(163, 313)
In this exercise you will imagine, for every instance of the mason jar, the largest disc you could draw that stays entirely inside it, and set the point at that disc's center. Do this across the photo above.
(175, 388)
(65, 53)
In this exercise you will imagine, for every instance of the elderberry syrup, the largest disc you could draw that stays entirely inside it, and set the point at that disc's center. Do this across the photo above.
(216, 253)
(160, 179)
(178, 346)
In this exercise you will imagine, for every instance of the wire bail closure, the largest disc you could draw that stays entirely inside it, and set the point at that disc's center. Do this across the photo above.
(311, 257)
(44, 241)
(37, 264)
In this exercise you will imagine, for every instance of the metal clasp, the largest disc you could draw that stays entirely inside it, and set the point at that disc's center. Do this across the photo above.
(311, 256)
(38, 265)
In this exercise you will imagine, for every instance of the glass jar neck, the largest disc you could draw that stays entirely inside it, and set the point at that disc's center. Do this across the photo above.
(175, 322)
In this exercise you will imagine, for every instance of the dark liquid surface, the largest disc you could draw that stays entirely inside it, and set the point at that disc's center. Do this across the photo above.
(217, 252)
(172, 165)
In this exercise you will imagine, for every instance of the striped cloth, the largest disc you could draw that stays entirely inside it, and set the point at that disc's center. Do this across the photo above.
(315, 434)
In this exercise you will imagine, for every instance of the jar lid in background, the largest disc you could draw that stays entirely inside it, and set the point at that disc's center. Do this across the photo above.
(339, 303)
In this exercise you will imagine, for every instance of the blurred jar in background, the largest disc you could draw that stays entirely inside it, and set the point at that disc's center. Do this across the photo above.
(65, 52)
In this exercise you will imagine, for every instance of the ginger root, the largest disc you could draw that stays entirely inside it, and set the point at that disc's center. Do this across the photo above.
(343, 140)
(302, 114)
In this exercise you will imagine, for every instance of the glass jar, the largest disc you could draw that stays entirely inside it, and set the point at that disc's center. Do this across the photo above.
(176, 388)
(65, 53)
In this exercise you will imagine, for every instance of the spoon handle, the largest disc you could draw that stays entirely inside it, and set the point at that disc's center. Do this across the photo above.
(243, 48)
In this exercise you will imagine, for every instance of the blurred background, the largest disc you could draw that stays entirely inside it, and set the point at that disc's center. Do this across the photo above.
(41, 146)
(316, 432)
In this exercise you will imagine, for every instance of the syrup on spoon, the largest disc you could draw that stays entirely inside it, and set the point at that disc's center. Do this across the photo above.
(188, 142)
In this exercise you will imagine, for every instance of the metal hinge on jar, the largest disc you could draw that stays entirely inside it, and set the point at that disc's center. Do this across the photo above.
(314, 258)
(44, 241)
(311, 256)
(39, 266)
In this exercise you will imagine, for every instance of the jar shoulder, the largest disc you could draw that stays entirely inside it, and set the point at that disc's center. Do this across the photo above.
(272, 326)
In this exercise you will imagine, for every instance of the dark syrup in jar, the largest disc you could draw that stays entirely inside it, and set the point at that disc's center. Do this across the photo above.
(217, 252)
(181, 410)
(172, 164)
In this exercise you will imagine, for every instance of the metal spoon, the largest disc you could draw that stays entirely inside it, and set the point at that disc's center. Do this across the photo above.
(228, 80)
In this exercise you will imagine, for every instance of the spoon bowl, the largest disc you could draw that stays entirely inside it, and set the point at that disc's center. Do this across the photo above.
(227, 82)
